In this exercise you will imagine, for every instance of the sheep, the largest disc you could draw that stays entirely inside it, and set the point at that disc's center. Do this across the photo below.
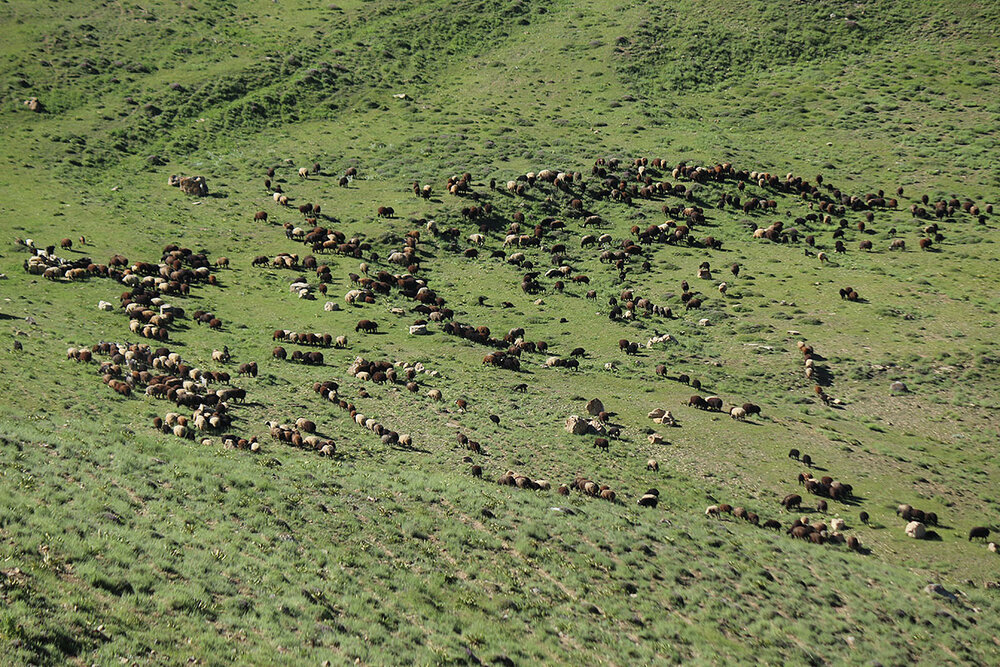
(837, 525)
(652, 464)
(792, 500)
(738, 414)
(434, 394)
(979, 532)
(303, 172)
(916, 530)
(648, 500)
(863, 518)
(713, 510)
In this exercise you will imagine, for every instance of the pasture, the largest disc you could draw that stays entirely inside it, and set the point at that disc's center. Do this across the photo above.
(121, 541)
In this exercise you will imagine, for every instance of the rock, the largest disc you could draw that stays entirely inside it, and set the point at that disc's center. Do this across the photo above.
(330, 306)
(539, 302)
(34, 105)
(577, 425)
(655, 439)
(837, 525)
(595, 407)
(597, 427)
(703, 322)
(155, 160)
(657, 413)
(938, 589)
(105, 305)
(916, 530)
(419, 330)
(611, 365)
(898, 387)
(173, 180)
(992, 546)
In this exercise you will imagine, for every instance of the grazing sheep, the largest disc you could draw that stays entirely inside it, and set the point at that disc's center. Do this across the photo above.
(648, 500)
(712, 510)
(863, 518)
(303, 172)
(792, 500)
(979, 532)
(738, 414)
(652, 464)
(434, 394)
(793, 454)
(806, 459)
(916, 530)
(771, 523)
(837, 525)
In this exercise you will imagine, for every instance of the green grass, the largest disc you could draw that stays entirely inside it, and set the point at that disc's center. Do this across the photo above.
(119, 543)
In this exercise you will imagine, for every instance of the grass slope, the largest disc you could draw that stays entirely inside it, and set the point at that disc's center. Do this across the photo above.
(121, 543)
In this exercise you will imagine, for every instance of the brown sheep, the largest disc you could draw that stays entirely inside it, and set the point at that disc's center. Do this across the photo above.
(792, 500)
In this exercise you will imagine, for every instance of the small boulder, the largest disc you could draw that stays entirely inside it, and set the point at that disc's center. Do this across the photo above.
(577, 425)
(703, 322)
(898, 387)
(34, 105)
(595, 407)
(419, 330)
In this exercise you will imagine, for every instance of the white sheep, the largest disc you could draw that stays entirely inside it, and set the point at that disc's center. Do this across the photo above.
(738, 413)
(303, 172)
(837, 525)
(916, 530)
(105, 305)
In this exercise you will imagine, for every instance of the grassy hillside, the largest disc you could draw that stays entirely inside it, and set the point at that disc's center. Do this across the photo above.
(123, 543)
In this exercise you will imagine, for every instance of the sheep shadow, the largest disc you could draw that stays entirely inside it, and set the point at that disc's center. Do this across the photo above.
(412, 448)
(822, 376)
